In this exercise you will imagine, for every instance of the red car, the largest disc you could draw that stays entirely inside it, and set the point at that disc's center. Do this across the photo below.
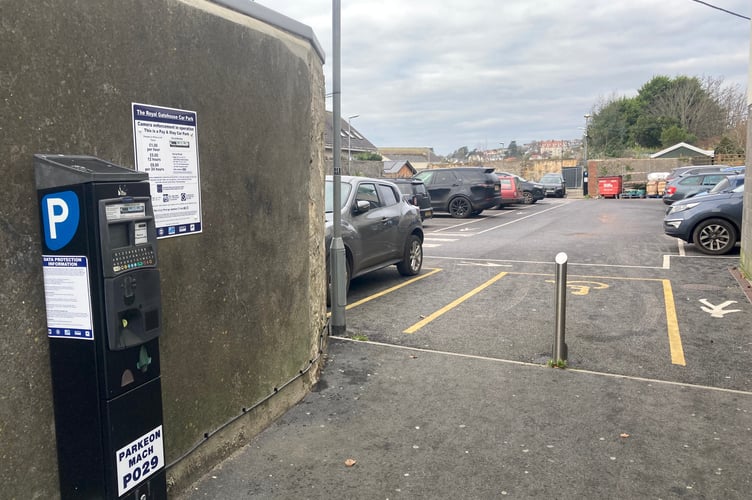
(511, 192)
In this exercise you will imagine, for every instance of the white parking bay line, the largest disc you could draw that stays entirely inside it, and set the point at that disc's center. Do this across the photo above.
(451, 235)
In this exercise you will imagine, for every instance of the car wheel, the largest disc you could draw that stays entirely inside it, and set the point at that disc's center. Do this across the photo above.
(412, 260)
(528, 196)
(329, 282)
(714, 237)
(460, 208)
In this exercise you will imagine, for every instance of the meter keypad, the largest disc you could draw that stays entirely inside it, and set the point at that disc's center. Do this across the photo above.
(125, 259)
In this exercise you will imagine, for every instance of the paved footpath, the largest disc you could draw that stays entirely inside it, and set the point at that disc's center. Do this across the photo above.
(389, 422)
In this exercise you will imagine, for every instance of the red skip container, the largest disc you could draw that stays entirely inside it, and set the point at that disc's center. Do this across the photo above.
(610, 187)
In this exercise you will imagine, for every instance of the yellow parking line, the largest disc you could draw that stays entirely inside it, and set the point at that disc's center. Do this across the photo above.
(390, 290)
(420, 324)
(674, 339)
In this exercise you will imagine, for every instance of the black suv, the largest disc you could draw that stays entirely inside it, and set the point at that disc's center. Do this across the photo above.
(462, 191)
(554, 185)
(415, 193)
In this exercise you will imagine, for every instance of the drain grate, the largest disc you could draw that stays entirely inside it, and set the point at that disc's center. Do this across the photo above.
(744, 283)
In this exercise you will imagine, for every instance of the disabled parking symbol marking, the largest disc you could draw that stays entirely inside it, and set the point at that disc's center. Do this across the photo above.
(583, 287)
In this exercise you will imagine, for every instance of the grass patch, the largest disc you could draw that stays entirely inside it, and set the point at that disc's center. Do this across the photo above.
(557, 364)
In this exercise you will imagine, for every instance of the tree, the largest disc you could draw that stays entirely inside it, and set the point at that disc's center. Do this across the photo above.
(368, 156)
(675, 134)
(647, 131)
(728, 147)
(460, 154)
(666, 111)
(690, 103)
(513, 150)
(609, 130)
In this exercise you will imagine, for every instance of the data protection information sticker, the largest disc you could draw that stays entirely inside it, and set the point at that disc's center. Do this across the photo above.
(67, 297)
(139, 460)
(165, 144)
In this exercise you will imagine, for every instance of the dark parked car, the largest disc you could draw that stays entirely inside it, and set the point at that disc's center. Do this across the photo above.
(689, 185)
(462, 191)
(415, 192)
(713, 222)
(554, 185)
(379, 228)
(531, 191)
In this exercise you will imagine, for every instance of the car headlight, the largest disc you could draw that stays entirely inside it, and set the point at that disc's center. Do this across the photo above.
(680, 208)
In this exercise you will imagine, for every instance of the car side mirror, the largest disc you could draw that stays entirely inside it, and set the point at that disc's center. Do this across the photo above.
(361, 206)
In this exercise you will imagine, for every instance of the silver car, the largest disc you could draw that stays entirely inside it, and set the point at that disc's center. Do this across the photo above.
(379, 228)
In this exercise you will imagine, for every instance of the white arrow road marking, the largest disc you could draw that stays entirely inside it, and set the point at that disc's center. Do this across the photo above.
(718, 311)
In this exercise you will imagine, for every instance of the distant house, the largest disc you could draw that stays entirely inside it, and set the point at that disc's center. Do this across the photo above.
(684, 150)
(552, 148)
(419, 158)
(399, 168)
(352, 143)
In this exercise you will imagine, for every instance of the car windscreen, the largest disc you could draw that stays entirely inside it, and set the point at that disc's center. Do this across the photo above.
(721, 186)
(738, 189)
(405, 188)
(329, 194)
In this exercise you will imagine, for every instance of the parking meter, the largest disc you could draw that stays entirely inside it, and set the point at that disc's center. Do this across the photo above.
(104, 319)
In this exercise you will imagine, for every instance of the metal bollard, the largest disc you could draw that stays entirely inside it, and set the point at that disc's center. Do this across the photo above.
(560, 347)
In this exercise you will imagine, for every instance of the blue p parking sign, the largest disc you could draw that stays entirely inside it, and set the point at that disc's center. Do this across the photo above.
(60, 216)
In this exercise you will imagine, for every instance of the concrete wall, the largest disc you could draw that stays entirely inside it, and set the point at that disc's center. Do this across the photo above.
(745, 259)
(243, 301)
(360, 168)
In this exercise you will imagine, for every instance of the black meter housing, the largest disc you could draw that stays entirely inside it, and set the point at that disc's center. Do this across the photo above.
(104, 319)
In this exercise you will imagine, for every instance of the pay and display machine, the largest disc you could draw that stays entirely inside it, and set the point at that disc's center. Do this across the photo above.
(104, 319)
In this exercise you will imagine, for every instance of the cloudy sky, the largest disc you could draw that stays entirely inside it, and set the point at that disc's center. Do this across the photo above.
(477, 73)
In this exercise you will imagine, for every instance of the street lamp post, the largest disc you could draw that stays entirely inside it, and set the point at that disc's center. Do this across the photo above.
(349, 142)
(585, 159)
(337, 255)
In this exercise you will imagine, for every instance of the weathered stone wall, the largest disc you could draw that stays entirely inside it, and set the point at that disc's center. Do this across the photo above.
(243, 302)
(360, 168)
(746, 252)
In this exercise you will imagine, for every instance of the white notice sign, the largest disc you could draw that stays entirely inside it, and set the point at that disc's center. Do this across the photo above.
(138, 460)
(67, 297)
(165, 145)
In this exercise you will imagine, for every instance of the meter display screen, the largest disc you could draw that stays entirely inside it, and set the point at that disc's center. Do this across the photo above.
(125, 211)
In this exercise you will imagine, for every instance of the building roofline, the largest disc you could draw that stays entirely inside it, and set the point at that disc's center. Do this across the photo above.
(704, 152)
(276, 19)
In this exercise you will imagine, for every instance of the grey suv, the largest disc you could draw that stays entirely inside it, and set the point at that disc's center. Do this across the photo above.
(379, 228)
(713, 223)
(462, 191)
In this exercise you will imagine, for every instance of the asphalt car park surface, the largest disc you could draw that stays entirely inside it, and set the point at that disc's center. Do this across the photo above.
(448, 395)
(636, 301)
